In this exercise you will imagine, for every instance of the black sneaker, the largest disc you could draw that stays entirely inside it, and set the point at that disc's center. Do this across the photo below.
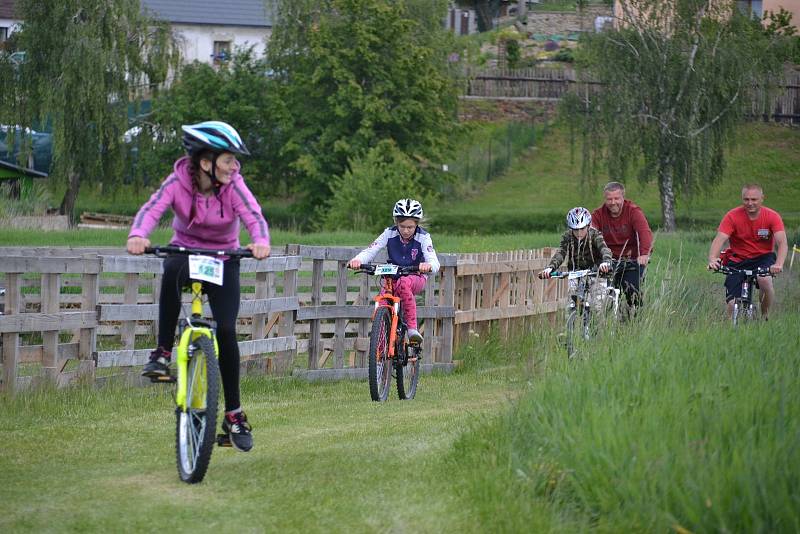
(238, 430)
(158, 366)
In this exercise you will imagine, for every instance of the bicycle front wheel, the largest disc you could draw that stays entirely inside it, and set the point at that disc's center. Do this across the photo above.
(408, 373)
(196, 425)
(380, 365)
(570, 333)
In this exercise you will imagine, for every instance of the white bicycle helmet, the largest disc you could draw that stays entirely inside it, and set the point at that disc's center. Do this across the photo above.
(578, 218)
(407, 208)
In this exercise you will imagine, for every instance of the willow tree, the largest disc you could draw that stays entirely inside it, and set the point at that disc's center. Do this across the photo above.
(83, 61)
(674, 80)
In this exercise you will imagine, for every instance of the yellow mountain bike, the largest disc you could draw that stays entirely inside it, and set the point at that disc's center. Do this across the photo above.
(196, 368)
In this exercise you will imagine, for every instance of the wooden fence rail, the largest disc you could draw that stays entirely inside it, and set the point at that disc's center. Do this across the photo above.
(89, 313)
(781, 102)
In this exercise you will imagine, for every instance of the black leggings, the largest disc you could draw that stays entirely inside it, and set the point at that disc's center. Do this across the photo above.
(629, 279)
(224, 302)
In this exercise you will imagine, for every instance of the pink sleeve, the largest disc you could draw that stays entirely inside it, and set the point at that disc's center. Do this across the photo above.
(248, 209)
(148, 215)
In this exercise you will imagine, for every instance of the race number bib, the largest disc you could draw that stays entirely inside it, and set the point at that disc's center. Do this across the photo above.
(386, 268)
(206, 269)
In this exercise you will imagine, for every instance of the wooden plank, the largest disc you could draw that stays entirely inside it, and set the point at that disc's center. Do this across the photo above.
(50, 290)
(465, 269)
(346, 253)
(33, 353)
(340, 323)
(265, 346)
(146, 312)
(48, 265)
(491, 314)
(314, 341)
(128, 328)
(349, 311)
(11, 352)
(447, 300)
(40, 322)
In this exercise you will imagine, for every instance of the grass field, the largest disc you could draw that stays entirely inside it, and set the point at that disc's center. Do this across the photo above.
(678, 423)
(545, 182)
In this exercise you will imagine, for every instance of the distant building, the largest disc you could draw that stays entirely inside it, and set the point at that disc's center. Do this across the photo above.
(209, 30)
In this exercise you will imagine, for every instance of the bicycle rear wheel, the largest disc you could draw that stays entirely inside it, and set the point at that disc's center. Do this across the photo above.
(380, 365)
(195, 426)
(408, 373)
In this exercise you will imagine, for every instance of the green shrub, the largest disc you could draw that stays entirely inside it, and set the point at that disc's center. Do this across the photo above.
(363, 197)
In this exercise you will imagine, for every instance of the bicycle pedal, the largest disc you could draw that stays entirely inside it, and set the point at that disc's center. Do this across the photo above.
(223, 440)
(165, 379)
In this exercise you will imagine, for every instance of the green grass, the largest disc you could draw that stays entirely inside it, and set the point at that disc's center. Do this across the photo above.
(326, 459)
(539, 188)
(679, 421)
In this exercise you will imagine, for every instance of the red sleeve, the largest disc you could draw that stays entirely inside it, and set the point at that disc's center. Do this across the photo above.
(727, 226)
(643, 232)
(776, 222)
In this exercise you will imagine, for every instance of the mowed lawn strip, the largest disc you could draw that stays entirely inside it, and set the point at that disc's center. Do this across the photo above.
(326, 458)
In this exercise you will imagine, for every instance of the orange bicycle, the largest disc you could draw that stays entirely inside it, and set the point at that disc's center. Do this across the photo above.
(389, 347)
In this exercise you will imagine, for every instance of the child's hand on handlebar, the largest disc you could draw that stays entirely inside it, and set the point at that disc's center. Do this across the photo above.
(604, 267)
(136, 245)
(259, 251)
(354, 264)
(545, 273)
(424, 267)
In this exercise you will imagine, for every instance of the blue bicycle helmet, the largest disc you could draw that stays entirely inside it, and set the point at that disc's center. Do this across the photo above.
(216, 136)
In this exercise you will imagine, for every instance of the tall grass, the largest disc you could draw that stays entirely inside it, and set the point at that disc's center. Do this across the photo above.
(679, 422)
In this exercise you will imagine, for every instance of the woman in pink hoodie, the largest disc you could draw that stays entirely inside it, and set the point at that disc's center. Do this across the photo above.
(208, 197)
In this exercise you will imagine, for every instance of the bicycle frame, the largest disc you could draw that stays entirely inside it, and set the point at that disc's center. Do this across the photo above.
(387, 299)
(195, 327)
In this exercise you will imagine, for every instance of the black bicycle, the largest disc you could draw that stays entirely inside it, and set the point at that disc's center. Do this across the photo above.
(586, 297)
(744, 308)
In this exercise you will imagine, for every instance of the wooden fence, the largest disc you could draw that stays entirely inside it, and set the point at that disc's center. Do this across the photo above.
(72, 314)
(782, 102)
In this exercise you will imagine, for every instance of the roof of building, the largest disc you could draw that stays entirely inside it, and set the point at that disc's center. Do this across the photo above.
(7, 9)
(228, 13)
(30, 172)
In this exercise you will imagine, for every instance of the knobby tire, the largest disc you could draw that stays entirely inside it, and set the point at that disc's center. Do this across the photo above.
(195, 428)
(380, 366)
(408, 374)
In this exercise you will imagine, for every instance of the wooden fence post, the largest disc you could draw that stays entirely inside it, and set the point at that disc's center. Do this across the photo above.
(13, 306)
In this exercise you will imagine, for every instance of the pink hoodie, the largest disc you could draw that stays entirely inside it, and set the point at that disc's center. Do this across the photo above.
(202, 222)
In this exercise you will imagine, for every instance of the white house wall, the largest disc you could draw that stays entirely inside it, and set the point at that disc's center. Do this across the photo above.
(197, 41)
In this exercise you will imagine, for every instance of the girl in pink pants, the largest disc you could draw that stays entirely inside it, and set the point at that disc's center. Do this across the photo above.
(407, 244)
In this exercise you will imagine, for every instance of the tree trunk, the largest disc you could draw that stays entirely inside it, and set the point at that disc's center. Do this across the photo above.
(70, 196)
(666, 189)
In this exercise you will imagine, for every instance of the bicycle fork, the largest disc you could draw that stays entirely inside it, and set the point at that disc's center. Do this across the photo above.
(184, 351)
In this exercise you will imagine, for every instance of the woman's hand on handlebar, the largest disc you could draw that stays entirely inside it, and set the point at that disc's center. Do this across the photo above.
(260, 251)
(354, 264)
(136, 245)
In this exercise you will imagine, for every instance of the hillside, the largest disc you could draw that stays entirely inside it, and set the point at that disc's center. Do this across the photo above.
(545, 182)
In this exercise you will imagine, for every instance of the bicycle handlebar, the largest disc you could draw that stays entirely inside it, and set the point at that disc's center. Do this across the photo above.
(173, 249)
(591, 272)
(758, 271)
(369, 268)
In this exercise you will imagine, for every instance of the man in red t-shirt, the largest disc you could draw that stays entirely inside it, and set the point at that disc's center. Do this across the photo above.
(752, 231)
(627, 234)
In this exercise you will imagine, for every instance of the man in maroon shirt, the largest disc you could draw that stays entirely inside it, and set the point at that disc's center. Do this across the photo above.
(752, 231)
(628, 235)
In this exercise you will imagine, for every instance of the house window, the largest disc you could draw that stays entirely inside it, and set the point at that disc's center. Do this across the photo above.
(3, 33)
(222, 52)
(752, 8)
